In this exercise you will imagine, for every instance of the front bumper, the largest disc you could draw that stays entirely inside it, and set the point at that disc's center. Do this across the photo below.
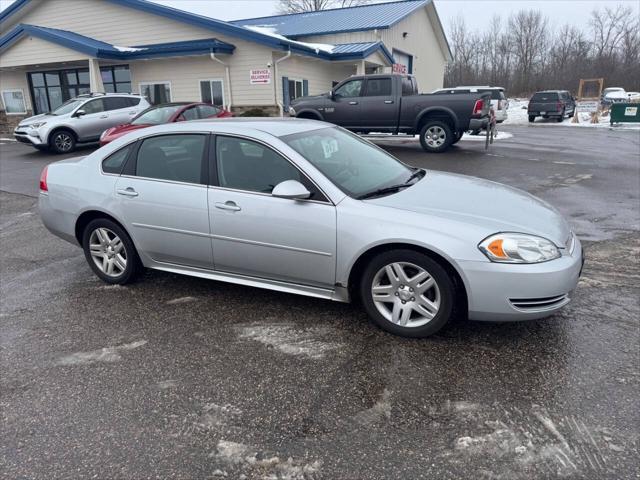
(478, 123)
(509, 292)
(28, 136)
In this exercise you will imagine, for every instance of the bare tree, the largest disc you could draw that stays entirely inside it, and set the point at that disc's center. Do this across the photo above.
(300, 6)
(529, 39)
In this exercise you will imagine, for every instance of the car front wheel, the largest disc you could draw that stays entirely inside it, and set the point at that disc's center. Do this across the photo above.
(110, 252)
(532, 118)
(407, 293)
(436, 136)
(62, 141)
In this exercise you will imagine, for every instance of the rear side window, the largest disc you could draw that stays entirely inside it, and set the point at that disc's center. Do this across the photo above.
(378, 87)
(408, 87)
(544, 97)
(115, 162)
(206, 111)
(177, 158)
(115, 103)
(133, 101)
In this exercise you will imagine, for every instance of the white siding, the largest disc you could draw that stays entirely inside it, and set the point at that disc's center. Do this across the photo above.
(32, 51)
(319, 73)
(421, 42)
(15, 80)
(124, 26)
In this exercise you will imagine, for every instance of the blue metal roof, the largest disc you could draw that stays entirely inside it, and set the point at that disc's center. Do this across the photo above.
(349, 51)
(364, 17)
(99, 49)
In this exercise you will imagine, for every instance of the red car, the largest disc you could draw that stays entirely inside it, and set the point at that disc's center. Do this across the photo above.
(165, 113)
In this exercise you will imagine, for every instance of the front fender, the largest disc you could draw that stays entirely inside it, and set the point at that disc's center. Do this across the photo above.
(310, 111)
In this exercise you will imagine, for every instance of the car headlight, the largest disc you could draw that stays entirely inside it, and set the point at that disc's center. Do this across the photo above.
(37, 125)
(292, 111)
(518, 248)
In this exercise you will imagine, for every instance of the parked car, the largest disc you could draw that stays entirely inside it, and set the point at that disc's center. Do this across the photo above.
(551, 104)
(79, 120)
(391, 104)
(499, 100)
(612, 95)
(165, 113)
(309, 208)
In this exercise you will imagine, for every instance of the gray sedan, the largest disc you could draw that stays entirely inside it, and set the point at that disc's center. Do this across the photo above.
(305, 207)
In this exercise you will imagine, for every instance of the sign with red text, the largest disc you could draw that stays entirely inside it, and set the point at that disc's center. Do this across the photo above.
(260, 76)
(399, 68)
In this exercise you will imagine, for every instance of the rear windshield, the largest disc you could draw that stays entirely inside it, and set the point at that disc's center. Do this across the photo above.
(495, 94)
(544, 97)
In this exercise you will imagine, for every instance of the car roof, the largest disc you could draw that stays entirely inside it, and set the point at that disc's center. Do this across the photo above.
(278, 127)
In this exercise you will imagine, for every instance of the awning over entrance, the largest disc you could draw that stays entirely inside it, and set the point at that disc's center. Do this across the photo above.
(98, 49)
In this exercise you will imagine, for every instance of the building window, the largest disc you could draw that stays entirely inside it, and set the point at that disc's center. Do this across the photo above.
(51, 89)
(116, 79)
(156, 92)
(212, 91)
(295, 89)
(14, 102)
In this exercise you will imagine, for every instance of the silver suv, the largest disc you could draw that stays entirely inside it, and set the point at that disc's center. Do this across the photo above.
(79, 120)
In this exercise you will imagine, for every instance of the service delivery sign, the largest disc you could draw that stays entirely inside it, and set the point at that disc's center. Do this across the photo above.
(260, 76)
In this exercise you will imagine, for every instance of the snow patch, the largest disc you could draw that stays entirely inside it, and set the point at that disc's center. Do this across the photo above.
(106, 354)
(271, 31)
(290, 339)
(128, 49)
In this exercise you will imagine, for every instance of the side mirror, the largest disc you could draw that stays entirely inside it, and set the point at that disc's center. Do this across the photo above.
(291, 189)
(79, 113)
(332, 94)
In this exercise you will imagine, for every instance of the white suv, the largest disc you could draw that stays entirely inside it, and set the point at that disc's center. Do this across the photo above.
(79, 120)
(499, 101)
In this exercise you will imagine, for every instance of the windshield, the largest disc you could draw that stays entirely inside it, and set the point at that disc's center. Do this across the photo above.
(67, 107)
(354, 165)
(155, 115)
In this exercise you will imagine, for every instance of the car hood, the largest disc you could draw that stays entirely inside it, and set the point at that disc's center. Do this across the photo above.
(308, 98)
(497, 207)
(35, 118)
(122, 129)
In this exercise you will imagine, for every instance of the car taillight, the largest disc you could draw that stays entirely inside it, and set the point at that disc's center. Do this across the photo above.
(477, 108)
(43, 180)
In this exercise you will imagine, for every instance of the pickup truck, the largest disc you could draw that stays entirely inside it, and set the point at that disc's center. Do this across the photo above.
(391, 104)
(551, 104)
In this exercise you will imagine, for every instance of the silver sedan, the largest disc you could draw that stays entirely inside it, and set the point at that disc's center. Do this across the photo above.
(305, 207)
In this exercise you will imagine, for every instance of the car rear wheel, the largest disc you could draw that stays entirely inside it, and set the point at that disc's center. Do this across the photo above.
(532, 118)
(62, 141)
(110, 252)
(407, 293)
(435, 136)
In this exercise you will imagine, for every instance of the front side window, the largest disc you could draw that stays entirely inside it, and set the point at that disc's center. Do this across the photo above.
(155, 115)
(246, 165)
(351, 163)
(156, 93)
(211, 91)
(190, 114)
(94, 106)
(350, 89)
(14, 102)
(114, 162)
(67, 107)
(172, 157)
(378, 87)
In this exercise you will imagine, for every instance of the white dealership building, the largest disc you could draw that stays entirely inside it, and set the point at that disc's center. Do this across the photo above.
(52, 50)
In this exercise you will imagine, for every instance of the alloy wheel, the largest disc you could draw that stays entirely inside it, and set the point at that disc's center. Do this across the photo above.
(405, 294)
(63, 142)
(435, 136)
(108, 252)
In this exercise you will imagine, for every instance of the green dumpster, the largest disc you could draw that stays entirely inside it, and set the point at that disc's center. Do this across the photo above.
(625, 113)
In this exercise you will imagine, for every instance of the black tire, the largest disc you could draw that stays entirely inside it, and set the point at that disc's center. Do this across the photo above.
(62, 141)
(456, 137)
(133, 263)
(441, 277)
(41, 148)
(561, 117)
(446, 131)
(532, 118)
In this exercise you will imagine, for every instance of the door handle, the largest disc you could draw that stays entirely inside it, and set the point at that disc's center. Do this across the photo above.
(132, 113)
(228, 205)
(104, 116)
(388, 101)
(353, 103)
(127, 192)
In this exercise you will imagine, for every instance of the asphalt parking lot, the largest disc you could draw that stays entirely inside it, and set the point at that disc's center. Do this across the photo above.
(177, 377)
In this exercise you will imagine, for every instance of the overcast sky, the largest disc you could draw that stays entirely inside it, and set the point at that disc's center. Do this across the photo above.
(475, 12)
